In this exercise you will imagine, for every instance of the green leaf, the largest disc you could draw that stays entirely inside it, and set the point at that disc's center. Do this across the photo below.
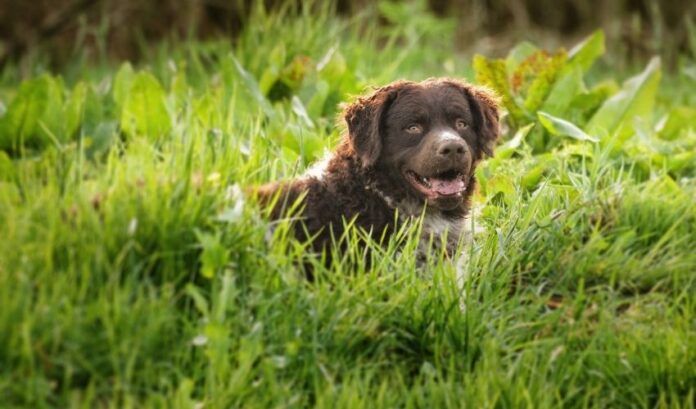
(501, 186)
(317, 102)
(544, 79)
(493, 74)
(93, 112)
(101, 137)
(682, 160)
(51, 122)
(35, 109)
(531, 178)
(214, 255)
(508, 148)
(332, 66)
(561, 127)
(590, 101)
(584, 54)
(299, 109)
(144, 109)
(569, 83)
(180, 90)
(253, 88)
(519, 53)
(74, 109)
(97, 133)
(199, 300)
(636, 97)
(679, 120)
(122, 84)
(564, 90)
(268, 78)
(207, 108)
(7, 169)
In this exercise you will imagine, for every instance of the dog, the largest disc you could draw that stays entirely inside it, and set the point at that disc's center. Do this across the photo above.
(410, 149)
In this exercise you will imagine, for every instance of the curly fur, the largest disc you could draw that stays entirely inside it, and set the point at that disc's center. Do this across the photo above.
(359, 182)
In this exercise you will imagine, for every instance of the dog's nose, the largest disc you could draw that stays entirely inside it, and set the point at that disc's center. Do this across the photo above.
(451, 148)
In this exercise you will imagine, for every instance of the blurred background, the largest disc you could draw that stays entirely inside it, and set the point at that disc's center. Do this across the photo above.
(60, 30)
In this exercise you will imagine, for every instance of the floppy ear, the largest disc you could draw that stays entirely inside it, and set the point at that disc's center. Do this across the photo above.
(485, 108)
(484, 103)
(364, 117)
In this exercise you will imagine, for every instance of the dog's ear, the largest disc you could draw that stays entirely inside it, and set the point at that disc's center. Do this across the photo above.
(484, 103)
(486, 110)
(364, 117)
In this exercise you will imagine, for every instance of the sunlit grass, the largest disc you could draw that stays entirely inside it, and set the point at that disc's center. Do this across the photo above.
(134, 274)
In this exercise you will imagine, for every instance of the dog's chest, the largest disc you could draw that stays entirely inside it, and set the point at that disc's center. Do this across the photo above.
(439, 225)
(440, 230)
(436, 229)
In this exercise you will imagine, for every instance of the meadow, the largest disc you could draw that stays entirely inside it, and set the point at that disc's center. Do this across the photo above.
(135, 274)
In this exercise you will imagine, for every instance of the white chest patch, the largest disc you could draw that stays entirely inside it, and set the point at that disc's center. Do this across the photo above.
(438, 231)
(318, 169)
(441, 231)
(435, 226)
(438, 225)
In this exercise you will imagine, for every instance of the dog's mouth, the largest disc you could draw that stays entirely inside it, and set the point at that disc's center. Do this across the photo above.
(448, 184)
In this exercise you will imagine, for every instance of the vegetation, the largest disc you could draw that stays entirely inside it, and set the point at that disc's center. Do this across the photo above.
(133, 273)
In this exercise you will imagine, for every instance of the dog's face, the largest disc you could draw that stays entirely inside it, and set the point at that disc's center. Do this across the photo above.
(427, 137)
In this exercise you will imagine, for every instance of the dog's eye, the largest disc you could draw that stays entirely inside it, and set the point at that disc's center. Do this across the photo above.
(414, 128)
(461, 124)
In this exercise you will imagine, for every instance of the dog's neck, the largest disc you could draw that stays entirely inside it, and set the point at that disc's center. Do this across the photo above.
(436, 224)
(406, 206)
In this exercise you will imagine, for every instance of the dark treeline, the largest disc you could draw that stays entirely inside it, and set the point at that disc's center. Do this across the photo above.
(120, 28)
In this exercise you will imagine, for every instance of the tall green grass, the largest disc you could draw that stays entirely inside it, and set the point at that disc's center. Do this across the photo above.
(133, 273)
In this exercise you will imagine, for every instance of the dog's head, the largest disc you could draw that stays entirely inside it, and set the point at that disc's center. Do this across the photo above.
(426, 137)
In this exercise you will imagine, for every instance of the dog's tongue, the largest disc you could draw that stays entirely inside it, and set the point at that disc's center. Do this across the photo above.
(447, 187)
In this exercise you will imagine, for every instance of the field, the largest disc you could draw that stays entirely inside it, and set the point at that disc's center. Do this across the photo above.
(134, 273)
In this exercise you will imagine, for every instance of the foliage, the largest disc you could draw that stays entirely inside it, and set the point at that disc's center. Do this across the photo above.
(549, 89)
(134, 272)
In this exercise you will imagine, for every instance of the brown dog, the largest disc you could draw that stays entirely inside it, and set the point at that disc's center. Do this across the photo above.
(411, 149)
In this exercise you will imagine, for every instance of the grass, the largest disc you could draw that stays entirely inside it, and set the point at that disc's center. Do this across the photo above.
(134, 274)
